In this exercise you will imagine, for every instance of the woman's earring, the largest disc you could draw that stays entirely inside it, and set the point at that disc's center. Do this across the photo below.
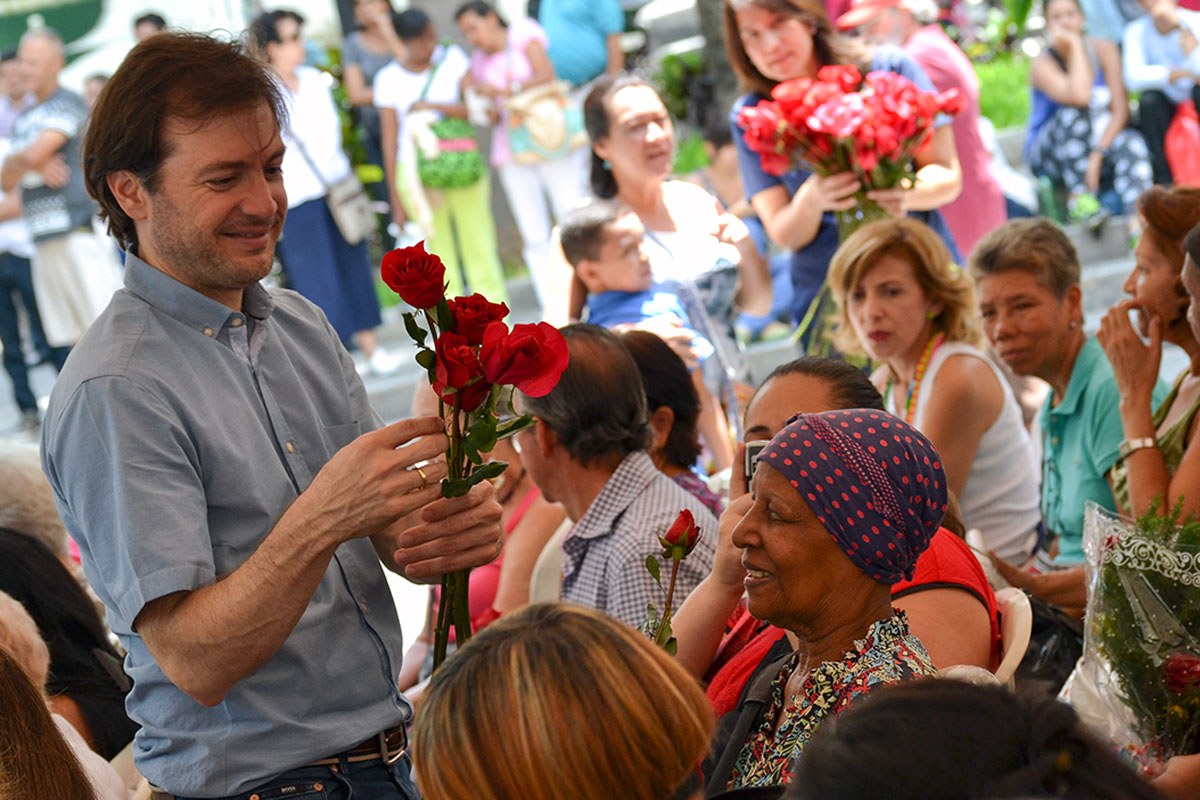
(607, 166)
(931, 315)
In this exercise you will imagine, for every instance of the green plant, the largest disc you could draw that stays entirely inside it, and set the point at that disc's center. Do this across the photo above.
(674, 78)
(690, 154)
(1004, 89)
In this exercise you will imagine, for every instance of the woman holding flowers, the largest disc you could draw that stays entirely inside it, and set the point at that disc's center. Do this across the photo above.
(1158, 464)
(770, 41)
(904, 304)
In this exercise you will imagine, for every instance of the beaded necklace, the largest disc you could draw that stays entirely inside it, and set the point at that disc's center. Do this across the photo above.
(910, 403)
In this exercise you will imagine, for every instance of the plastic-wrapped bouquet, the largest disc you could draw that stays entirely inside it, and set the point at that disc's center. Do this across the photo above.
(1142, 636)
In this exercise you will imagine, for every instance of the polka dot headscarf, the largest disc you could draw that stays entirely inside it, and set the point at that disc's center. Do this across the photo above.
(873, 481)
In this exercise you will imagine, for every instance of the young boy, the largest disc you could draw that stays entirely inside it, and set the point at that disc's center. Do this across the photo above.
(603, 242)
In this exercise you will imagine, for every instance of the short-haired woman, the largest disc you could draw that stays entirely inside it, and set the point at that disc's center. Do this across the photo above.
(904, 303)
(769, 41)
(1027, 273)
(567, 702)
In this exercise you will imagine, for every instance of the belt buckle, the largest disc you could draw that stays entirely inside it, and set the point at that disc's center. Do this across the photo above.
(383, 750)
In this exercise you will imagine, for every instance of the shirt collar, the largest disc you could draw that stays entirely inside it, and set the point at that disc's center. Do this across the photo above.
(631, 477)
(1081, 375)
(185, 304)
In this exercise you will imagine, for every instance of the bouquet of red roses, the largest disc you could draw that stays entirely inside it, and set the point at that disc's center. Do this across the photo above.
(842, 122)
(473, 357)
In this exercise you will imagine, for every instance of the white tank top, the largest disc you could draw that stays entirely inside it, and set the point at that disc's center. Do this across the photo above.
(1001, 496)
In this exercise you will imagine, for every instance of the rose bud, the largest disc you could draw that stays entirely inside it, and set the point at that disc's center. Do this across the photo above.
(1181, 672)
(682, 536)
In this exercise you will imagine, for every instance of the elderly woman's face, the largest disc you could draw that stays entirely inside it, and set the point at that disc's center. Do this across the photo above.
(1154, 284)
(795, 572)
(641, 138)
(1026, 324)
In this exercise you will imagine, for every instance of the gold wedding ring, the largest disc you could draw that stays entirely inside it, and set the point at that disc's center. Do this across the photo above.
(424, 477)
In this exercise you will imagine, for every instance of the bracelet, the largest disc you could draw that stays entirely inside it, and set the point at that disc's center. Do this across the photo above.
(1130, 446)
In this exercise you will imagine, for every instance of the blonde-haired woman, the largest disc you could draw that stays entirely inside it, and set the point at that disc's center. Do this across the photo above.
(561, 701)
(904, 303)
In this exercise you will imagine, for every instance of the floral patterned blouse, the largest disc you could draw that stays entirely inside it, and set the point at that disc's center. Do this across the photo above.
(887, 654)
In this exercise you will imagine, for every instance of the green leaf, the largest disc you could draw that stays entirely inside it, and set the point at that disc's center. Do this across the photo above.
(511, 427)
(455, 487)
(653, 568)
(472, 452)
(426, 358)
(445, 319)
(482, 434)
(491, 469)
(672, 646)
(415, 331)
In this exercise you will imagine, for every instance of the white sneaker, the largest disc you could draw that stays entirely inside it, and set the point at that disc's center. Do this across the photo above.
(382, 362)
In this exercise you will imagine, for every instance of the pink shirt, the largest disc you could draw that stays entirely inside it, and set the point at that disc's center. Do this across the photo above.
(980, 207)
(500, 70)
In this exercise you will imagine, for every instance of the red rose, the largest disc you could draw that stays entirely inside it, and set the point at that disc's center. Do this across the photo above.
(774, 163)
(866, 157)
(531, 357)
(887, 142)
(952, 102)
(418, 277)
(457, 366)
(790, 95)
(845, 76)
(682, 537)
(1181, 672)
(473, 314)
(761, 126)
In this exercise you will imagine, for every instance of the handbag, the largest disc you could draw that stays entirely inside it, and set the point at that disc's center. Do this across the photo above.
(458, 162)
(347, 199)
(544, 124)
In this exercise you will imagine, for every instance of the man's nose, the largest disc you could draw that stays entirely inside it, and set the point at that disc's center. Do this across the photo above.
(260, 200)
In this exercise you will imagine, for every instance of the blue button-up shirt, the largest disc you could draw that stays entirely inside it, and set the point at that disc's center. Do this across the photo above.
(578, 32)
(178, 433)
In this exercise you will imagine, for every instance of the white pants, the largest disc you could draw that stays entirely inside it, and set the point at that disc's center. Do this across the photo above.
(74, 277)
(527, 187)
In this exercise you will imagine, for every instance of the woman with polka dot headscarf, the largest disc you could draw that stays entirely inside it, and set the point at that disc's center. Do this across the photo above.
(844, 503)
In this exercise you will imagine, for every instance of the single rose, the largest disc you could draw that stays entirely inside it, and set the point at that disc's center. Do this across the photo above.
(761, 124)
(530, 357)
(458, 367)
(774, 163)
(840, 117)
(866, 157)
(1181, 672)
(418, 277)
(473, 314)
(682, 536)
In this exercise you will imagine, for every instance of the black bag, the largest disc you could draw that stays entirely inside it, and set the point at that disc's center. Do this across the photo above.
(1055, 644)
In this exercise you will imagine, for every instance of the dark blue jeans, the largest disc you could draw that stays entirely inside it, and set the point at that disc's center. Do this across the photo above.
(364, 780)
(16, 282)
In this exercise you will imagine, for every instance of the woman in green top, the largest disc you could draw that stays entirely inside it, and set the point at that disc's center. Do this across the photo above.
(1157, 463)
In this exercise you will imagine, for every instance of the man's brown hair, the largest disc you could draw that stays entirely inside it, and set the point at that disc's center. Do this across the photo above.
(182, 76)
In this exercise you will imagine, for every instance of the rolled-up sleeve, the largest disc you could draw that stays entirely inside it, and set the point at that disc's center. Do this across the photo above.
(128, 482)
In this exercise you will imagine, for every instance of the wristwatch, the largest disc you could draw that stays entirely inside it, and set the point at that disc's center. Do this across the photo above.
(1130, 446)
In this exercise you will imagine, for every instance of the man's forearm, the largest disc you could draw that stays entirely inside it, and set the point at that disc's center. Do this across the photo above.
(15, 167)
(207, 640)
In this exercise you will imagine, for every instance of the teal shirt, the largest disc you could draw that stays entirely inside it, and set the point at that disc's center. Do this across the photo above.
(578, 32)
(1081, 438)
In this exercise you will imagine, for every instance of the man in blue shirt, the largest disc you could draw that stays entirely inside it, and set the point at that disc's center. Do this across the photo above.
(584, 36)
(212, 451)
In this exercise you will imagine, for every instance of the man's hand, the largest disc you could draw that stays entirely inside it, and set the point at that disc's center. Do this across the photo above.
(453, 534)
(371, 483)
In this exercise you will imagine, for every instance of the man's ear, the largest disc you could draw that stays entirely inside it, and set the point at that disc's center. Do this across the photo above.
(130, 193)
(547, 439)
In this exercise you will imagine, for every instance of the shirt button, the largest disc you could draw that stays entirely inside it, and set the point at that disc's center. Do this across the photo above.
(290, 447)
(236, 322)
(1054, 440)
(208, 331)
